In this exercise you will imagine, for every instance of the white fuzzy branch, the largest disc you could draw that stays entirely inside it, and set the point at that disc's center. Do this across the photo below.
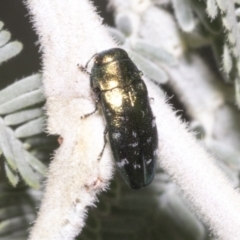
(194, 170)
(70, 33)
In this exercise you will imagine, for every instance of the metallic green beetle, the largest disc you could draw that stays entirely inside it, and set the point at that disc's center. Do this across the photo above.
(123, 95)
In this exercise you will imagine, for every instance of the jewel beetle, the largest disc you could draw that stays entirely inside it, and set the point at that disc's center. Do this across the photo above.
(131, 127)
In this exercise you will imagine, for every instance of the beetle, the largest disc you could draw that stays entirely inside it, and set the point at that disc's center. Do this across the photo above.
(131, 126)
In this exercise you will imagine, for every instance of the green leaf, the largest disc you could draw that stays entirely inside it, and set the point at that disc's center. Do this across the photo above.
(12, 177)
(10, 50)
(124, 23)
(15, 155)
(116, 35)
(212, 9)
(30, 128)
(149, 68)
(233, 33)
(227, 59)
(228, 159)
(23, 101)
(178, 210)
(5, 145)
(225, 153)
(35, 163)
(222, 4)
(214, 26)
(22, 116)
(23, 167)
(152, 52)
(4, 37)
(184, 15)
(18, 88)
(19, 223)
(198, 38)
(237, 12)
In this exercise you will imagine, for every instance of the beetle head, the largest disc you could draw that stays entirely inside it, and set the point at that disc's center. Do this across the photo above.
(112, 68)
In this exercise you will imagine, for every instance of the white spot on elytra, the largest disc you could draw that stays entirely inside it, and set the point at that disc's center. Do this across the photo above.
(136, 166)
(149, 140)
(123, 162)
(116, 135)
(149, 161)
(133, 144)
(134, 134)
(153, 123)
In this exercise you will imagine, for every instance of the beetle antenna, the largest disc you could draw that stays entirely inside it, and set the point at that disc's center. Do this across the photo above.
(84, 69)
(90, 60)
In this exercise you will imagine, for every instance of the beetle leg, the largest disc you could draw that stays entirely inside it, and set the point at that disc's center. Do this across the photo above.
(91, 113)
(96, 107)
(105, 142)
